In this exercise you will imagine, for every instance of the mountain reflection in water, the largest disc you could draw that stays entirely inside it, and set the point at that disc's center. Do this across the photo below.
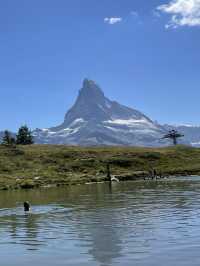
(140, 223)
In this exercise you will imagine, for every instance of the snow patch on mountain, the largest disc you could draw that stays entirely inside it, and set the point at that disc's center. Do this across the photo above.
(132, 122)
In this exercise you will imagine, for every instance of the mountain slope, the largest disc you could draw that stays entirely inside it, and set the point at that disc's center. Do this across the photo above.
(2, 134)
(96, 120)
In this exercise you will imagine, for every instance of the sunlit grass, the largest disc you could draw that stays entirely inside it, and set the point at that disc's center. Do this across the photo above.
(37, 165)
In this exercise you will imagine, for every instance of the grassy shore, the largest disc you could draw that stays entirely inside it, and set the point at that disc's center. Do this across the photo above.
(46, 165)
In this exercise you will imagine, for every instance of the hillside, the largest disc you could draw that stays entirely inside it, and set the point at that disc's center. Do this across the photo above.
(39, 165)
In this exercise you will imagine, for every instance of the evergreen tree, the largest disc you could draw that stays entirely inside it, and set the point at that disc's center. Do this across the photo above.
(24, 136)
(8, 139)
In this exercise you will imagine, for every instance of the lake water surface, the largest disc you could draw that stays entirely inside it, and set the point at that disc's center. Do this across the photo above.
(154, 223)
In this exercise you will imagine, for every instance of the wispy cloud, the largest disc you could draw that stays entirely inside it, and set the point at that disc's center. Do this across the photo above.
(183, 13)
(134, 14)
(112, 20)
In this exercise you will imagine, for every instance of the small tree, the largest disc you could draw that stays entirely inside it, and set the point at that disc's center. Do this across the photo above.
(173, 135)
(24, 136)
(8, 139)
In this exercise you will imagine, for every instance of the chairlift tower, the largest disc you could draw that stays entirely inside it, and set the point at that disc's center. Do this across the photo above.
(173, 135)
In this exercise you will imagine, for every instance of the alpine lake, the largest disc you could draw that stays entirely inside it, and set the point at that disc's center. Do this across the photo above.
(154, 223)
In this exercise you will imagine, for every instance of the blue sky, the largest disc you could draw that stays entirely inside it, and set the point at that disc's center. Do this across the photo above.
(143, 53)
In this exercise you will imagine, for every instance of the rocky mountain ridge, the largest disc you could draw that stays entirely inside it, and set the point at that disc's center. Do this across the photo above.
(96, 120)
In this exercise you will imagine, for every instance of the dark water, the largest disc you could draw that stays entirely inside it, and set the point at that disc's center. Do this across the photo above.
(145, 223)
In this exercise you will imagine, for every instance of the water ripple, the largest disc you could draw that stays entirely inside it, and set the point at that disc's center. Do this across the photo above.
(94, 225)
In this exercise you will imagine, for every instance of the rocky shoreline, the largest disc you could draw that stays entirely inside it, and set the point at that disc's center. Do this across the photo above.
(37, 182)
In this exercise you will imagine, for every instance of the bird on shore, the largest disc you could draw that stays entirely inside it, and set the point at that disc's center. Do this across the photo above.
(114, 179)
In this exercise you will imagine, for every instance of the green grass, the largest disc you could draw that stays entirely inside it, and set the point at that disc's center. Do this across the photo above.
(40, 165)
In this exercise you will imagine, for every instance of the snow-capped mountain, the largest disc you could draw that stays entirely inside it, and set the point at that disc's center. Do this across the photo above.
(2, 134)
(96, 120)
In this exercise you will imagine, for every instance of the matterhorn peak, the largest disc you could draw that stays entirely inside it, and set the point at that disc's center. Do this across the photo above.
(96, 120)
(90, 91)
(88, 83)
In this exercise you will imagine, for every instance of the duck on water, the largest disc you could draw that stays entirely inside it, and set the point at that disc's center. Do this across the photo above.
(26, 206)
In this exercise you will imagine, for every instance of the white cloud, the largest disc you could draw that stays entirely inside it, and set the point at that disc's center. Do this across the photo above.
(156, 14)
(112, 20)
(183, 13)
(134, 14)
